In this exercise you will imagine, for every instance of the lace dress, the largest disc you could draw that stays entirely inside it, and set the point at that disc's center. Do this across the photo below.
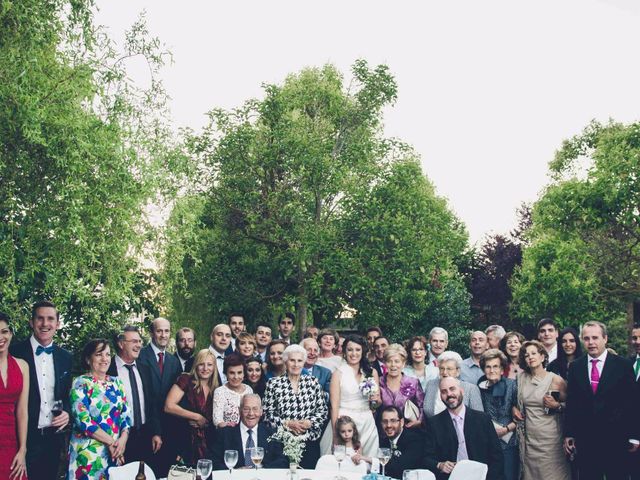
(226, 404)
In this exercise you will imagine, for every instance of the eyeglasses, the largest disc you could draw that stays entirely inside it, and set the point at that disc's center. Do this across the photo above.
(390, 421)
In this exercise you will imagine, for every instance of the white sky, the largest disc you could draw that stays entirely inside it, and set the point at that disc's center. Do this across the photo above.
(487, 89)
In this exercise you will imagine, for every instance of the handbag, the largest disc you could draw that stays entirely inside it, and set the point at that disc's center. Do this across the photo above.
(181, 472)
(411, 411)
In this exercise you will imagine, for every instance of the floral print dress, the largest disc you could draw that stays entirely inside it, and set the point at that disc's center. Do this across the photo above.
(95, 404)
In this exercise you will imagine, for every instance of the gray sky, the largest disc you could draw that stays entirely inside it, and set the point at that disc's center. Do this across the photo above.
(487, 89)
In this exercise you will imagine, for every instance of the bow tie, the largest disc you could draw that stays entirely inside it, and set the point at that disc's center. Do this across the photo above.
(48, 350)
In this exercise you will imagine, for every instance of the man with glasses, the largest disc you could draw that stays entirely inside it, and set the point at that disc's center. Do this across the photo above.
(251, 432)
(407, 446)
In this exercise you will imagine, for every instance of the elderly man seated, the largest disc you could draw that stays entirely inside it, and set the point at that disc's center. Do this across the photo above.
(249, 433)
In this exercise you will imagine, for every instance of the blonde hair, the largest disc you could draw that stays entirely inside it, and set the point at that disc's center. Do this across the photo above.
(393, 350)
(200, 358)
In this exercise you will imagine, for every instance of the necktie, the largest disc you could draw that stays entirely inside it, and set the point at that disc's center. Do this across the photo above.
(135, 394)
(462, 445)
(247, 450)
(595, 375)
(40, 349)
(384, 368)
(636, 368)
(161, 362)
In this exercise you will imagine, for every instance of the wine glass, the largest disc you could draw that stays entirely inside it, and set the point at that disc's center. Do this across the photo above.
(56, 410)
(204, 468)
(257, 454)
(230, 459)
(340, 452)
(384, 455)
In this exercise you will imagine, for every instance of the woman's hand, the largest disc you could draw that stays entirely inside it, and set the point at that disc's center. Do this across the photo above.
(200, 422)
(412, 423)
(298, 426)
(18, 465)
(517, 414)
(550, 402)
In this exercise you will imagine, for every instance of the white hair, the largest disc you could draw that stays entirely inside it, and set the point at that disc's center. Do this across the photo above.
(497, 329)
(294, 349)
(450, 356)
(438, 331)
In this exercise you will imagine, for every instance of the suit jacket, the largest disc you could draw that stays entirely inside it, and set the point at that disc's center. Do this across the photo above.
(62, 362)
(160, 384)
(409, 455)
(152, 422)
(229, 438)
(472, 397)
(611, 413)
(377, 367)
(483, 445)
(322, 374)
(188, 365)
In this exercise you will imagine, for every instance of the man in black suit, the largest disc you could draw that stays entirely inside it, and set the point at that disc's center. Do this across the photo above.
(380, 345)
(49, 380)
(144, 435)
(237, 326)
(220, 342)
(602, 424)
(460, 433)
(407, 446)
(635, 361)
(164, 369)
(250, 432)
(185, 348)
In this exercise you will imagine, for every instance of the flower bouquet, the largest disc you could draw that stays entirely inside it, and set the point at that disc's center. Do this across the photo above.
(368, 387)
(293, 446)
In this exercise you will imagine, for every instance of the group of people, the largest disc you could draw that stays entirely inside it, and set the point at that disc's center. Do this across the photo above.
(536, 409)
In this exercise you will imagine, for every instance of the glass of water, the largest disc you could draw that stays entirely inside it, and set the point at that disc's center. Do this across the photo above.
(384, 455)
(204, 468)
(230, 459)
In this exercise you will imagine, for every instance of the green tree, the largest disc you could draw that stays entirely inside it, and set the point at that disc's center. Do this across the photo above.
(83, 153)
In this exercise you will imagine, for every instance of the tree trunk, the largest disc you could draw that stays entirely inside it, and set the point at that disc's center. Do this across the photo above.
(630, 321)
(301, 313)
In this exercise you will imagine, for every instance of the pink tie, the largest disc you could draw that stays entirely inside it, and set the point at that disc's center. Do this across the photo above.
(595, 375)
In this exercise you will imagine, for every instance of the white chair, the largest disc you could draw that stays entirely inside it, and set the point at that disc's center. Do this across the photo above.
(329, 462)
(129, 471)
(422, 474)
(469, 470)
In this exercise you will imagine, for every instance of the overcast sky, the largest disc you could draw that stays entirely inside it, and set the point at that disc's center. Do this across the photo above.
(487, 89)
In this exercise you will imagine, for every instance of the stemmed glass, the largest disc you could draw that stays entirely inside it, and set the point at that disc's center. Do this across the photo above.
(230, 459)
(56, 410)
(384, 455)
(257, 454)
(204, 468)
(340, 452)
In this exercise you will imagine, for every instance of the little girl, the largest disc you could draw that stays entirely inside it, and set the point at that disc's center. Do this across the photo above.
(349, 437)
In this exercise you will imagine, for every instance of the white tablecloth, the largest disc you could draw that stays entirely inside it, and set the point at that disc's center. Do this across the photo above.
(281, 474)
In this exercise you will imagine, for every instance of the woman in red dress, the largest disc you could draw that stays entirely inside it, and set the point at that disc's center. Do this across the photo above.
(14, 395)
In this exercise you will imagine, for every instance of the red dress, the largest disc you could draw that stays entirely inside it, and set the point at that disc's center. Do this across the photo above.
(9, 395)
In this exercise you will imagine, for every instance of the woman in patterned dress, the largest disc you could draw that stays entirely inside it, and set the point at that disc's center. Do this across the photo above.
(297, 402)
(198, 387)
(226, 399)
(101, 419)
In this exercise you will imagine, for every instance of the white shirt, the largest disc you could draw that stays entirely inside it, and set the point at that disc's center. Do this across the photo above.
(219, 363)
(599, 365)
(182, 361)
(156, 351)
(46, 374)
(553, 353)
(123, 374)
(244, 434)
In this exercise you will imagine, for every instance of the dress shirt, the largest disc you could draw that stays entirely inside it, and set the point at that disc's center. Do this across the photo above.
(553, 353)
(46, 374)
(462, 447)
(262, 355)
(182, 361)
(123, 374)
(156, 351)
(634, 364)
(393, 442)
(470, 371)
(219, 364)
(244, 435)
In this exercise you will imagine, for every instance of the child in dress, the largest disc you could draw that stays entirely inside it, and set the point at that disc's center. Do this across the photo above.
(349, 437)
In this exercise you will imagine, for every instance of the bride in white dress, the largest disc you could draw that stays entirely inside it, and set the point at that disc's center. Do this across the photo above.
(346, 397)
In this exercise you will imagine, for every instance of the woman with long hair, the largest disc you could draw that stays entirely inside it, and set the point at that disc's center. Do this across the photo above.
(198, 387)
(275, 366)
(569, 349)
(418, 364)
(255, 376)
(510, 345)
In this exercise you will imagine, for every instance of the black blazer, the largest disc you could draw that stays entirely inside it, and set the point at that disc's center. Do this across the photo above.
(411, 452)
(375, 365)
(229, 438)
(612, 411)
(150, 406)
(62, 362)
(483, 445)
(187, 365)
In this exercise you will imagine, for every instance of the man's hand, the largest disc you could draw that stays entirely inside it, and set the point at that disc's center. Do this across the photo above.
(446, 467)
(61, 420)
(156, 443)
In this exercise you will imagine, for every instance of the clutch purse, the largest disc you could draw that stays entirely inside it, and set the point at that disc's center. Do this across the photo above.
(181, 472)
(411, 411)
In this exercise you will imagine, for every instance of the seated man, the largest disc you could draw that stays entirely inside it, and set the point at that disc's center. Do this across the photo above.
(250, 432)
(407, 446)
(460, 433)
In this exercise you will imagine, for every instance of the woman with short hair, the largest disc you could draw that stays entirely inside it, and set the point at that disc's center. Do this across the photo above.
(275, 364)
(418, 364)
(246, 345)
(226, 399)
(328, 340)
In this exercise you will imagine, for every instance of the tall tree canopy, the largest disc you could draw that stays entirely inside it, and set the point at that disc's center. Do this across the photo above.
(309, 207)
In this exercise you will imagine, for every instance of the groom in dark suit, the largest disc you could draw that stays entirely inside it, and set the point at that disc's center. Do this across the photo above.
(250, 432)
(407, 446)
(602, 422)
(49, 380)
(460, 433)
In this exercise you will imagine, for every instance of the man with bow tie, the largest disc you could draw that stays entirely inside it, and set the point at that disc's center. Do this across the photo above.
(50, 380)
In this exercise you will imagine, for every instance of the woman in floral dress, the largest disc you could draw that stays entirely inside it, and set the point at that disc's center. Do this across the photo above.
(101, 420)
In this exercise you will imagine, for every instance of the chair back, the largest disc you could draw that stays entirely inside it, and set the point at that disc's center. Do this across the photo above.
(329, 462)
(421, 474)
(469, 470)
(129, 471)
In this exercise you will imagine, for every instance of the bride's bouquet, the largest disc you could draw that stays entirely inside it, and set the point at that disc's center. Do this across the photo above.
(368, 387)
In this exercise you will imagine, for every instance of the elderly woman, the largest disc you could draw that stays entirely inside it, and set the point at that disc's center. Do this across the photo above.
(541, 448)
(510, 346)
(498, 398)
(226, 399)
(296, 402)
(449, 364)
(275, 364)
(398, 389)
(418, 362)
(328, 341)
(569, 349)
(246, 345)
(198, 387)
(347, 397)
(101, 420)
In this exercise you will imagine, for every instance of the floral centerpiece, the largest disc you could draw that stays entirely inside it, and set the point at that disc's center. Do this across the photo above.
(293, 446)
(368, 387)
